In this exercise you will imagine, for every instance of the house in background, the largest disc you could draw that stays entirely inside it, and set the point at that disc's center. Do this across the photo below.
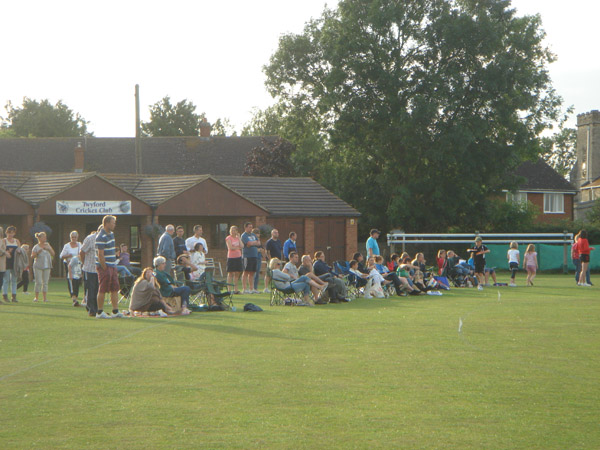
(586, 173)
(545, 188)
(185, 181)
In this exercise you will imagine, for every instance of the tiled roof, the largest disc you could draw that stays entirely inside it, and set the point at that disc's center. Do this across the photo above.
(289, 196)
(155, 190)
(160, 156)
(278, 196)
(540, 176)
(35, 187)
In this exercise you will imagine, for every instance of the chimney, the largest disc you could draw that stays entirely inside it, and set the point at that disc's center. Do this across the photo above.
(78, 158)
(205, 128)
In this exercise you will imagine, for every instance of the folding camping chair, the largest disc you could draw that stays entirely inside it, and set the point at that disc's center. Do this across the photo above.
(197, 289)
(125, 289)
(278, 296)
(213, 289)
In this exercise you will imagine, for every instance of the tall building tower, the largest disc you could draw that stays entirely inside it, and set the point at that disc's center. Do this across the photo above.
(587, 168)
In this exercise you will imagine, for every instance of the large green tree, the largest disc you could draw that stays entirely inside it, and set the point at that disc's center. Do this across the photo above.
(560, 149)
(167, 119)
(426, 105)
(42, 119)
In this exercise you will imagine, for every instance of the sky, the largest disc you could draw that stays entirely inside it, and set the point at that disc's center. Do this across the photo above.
(91, 55)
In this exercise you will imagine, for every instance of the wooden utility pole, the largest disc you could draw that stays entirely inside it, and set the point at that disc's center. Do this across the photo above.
(138, 133)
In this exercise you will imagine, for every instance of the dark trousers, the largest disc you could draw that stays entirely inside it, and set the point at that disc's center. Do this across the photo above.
(514, 268)
(2, 279)
(90, 285)
(577, 263)
(393, 277)
(24, 281)
(184, 293)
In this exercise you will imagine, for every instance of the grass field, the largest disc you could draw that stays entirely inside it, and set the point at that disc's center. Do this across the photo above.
(522, 373)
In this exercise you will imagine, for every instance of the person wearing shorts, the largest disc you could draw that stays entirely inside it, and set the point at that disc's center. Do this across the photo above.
(235, 264)
(478, 251)
(250, 255)
(106, 266)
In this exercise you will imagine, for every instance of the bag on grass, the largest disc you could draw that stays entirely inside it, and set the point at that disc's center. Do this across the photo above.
(252, 307)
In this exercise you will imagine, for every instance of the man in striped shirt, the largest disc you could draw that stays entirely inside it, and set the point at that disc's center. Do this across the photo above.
(106, 265)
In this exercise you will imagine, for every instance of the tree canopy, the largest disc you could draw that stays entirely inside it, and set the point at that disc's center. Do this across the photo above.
(42, 119)
(271, 158)
(167, 119)
(420, 109)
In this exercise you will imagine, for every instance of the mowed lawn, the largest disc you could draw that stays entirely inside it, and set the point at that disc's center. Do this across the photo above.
(523, 372)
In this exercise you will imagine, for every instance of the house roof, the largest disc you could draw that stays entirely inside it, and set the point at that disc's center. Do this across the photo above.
(540, 176)
(278, 196)
(34, 188)
(289, 196)
(160, 155)
(155, 190)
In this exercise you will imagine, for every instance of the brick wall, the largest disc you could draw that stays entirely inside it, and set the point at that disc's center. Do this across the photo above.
(351, 237)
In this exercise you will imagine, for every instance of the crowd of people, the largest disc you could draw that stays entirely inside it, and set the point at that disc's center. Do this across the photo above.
(100, 264)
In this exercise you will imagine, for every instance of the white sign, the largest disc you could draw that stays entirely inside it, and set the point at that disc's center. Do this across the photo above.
(93, 207)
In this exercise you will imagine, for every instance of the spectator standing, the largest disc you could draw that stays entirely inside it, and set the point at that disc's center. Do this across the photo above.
(514, 259)
(259, 258)
(478, 251)
(70, 250)
(166, 248)
(583, 246)
(106, 266)
(191, 242)
(2, 258)
(235, 264)
(87, 254)
(274, 249)
(250, 254)
(11, 244)
(530, 263)
(576, 261)
(25, 274)
(290, 245)
(372, 245)
(179, 242)
(42, 254)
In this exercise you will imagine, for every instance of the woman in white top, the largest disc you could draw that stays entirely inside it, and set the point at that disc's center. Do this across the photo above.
(70, 250)
(42, 254)
(513, 261)
(198, 259)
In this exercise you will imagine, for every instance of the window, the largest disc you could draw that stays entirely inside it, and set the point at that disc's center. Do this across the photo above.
(134, 237)
(554, 203)
(221, 232)
(517, 197)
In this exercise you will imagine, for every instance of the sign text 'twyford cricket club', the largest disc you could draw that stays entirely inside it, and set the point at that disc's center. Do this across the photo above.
(93, 207)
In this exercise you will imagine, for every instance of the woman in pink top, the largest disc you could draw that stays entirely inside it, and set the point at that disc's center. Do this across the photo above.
(234, 257)
(530, 263)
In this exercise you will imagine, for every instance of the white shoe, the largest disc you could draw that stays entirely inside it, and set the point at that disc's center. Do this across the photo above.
(480, 288)
(103, 315)
(267, 290)
(512, 285)
(161, 313)
(116, 316)
(248, 292)
(586, 284)
(255, 292)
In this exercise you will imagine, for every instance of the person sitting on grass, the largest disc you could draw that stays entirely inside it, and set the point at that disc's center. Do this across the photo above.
(283, 281)
(374, 286)
(399, 283)
(146, 297)
(168, 287)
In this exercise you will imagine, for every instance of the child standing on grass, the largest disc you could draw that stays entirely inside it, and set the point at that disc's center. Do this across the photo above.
(530, 263)
(514, 259)
(478, 251)
(75, 274)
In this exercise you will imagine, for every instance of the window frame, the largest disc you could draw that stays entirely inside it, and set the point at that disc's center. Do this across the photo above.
(551, 197)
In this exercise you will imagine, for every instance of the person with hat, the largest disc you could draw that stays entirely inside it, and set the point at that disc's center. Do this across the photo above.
(372, 245)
